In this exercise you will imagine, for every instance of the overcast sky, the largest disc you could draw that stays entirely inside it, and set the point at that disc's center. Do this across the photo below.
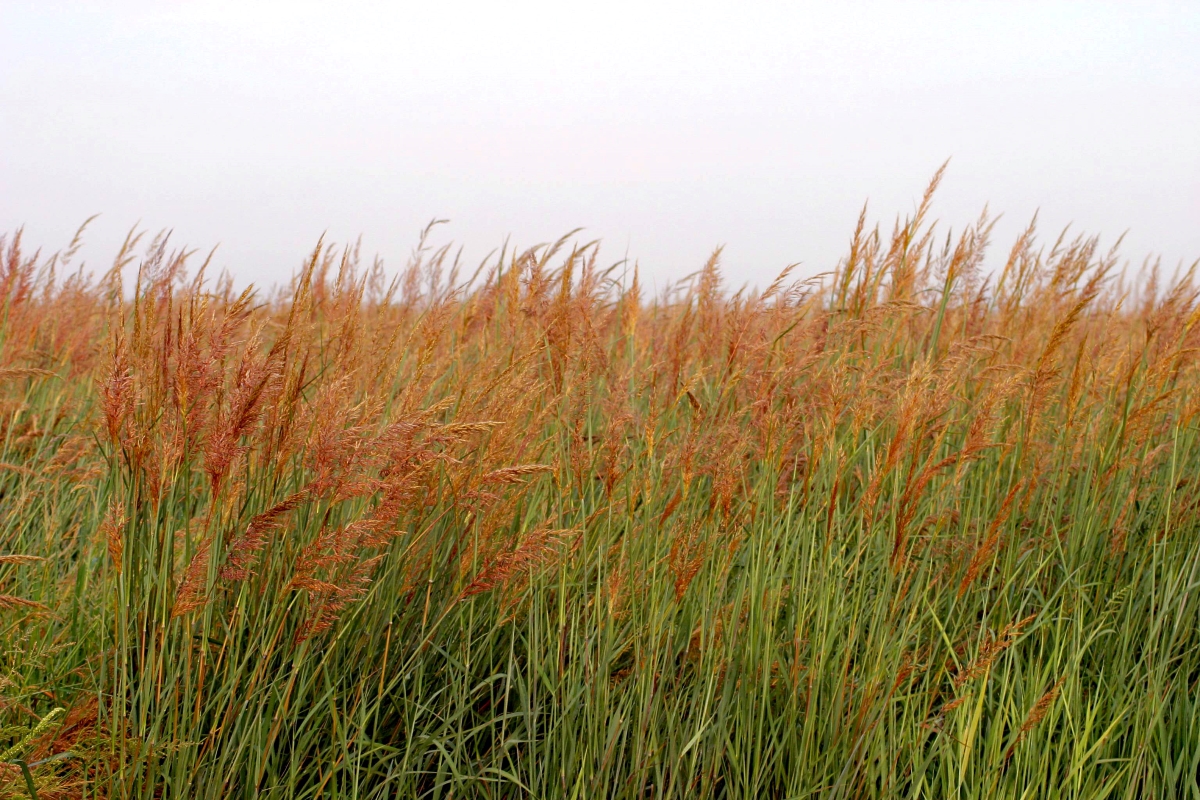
(664, 129)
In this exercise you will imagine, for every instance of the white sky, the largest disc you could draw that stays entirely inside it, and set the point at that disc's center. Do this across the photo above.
(663, 128)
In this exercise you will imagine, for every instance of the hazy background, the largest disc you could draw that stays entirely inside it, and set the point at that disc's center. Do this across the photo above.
(663, 128)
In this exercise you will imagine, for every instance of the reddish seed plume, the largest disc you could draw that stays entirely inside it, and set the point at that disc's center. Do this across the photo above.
(1035, 716)
(192, 592)
(535, 549)
(9, 602)
(686, 558)
(990, 649)
(243, 548)
(113, 530)
(116, 394)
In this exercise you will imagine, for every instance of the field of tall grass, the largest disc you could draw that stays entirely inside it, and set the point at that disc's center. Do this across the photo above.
(907, 529)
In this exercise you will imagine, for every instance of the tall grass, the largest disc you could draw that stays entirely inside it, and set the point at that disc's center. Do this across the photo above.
(905, 530)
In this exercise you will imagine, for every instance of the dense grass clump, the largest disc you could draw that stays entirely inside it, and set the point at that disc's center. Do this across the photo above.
(905, 530)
